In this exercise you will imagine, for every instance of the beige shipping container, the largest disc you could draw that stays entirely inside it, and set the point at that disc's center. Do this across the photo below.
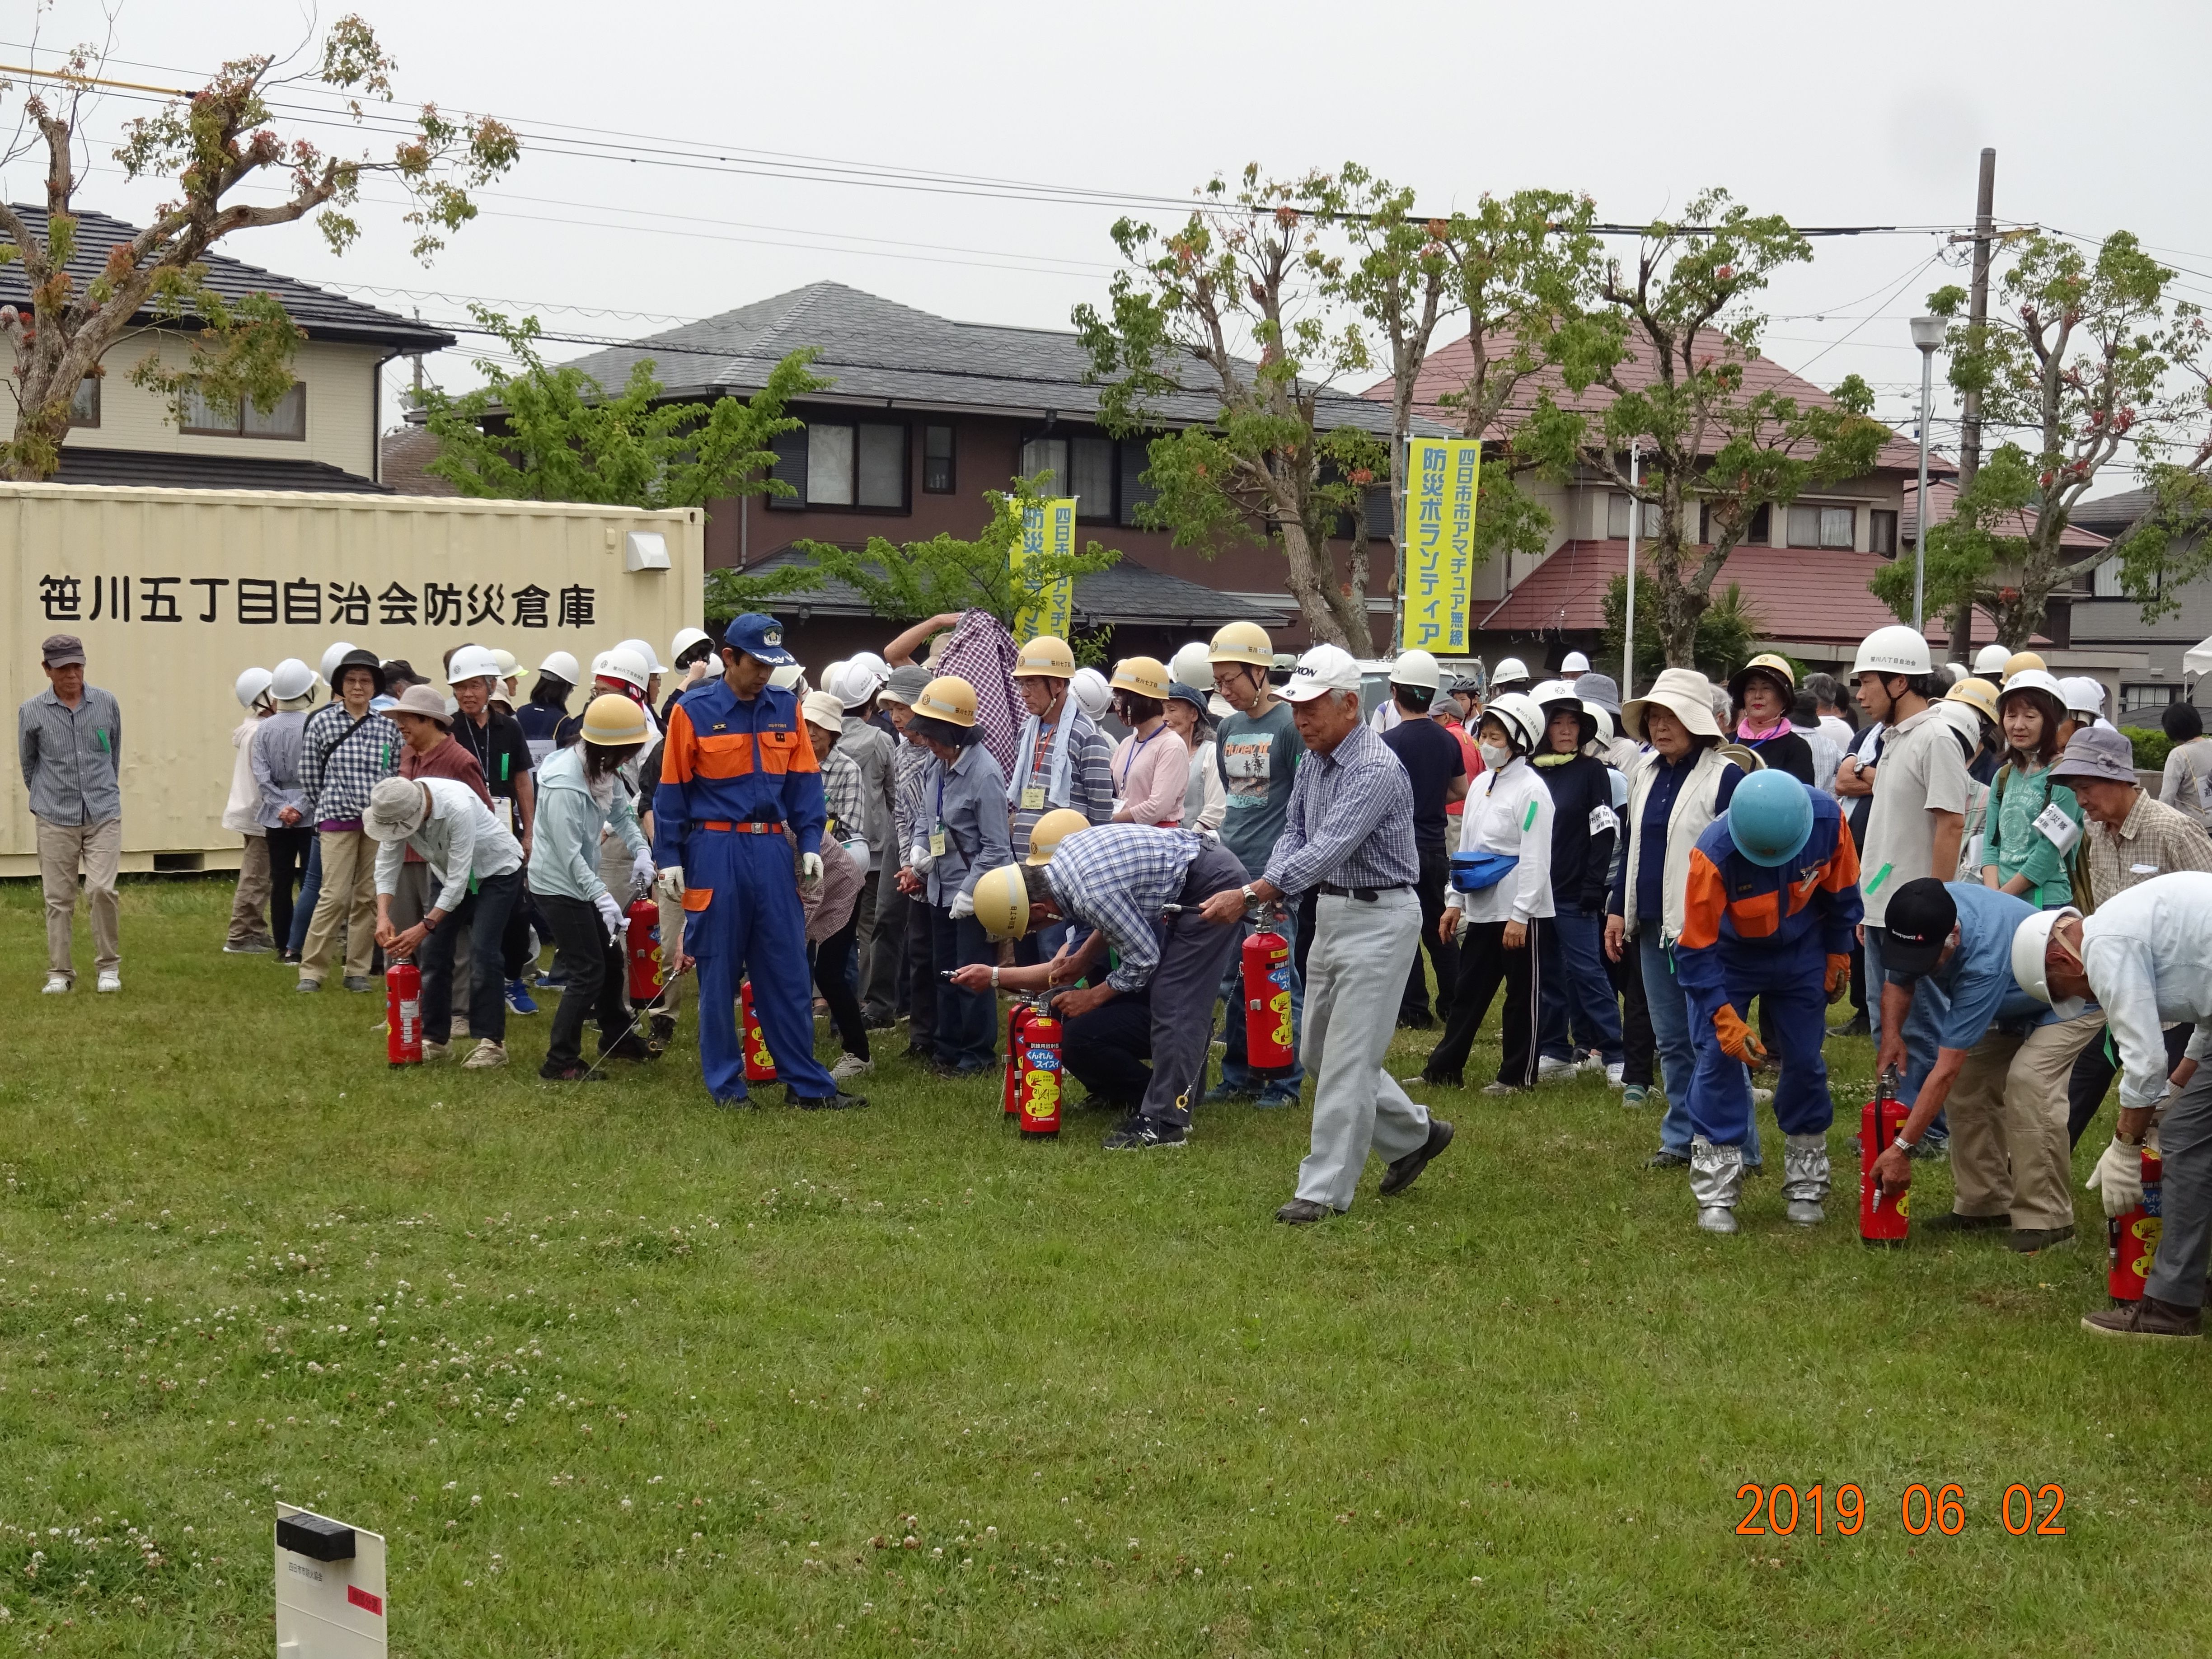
(176, 593)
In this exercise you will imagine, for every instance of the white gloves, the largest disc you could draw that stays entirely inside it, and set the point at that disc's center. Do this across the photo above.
(612, 913)
(810, 869)
(641, 875)
(670, 886)
(919, 857)
(2117, 1178)
(963, 904)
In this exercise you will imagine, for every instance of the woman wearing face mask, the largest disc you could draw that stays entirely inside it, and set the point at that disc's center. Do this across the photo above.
(1150, 767)
(2019, 854)
(1505, 850)
(1576, 993)
(1681, 785)
(1762, 692)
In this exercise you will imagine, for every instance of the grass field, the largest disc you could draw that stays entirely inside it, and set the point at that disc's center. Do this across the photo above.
(622, 1375)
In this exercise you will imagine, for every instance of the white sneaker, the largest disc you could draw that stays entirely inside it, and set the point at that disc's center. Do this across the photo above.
(485, 1054)
(851, 1066)
(56, 984)
(434, 1052)
(1760, 1097)
(1592, 1061)
(460, 1027)
(1612, 1073)
(110, 979)
(1555, 1071)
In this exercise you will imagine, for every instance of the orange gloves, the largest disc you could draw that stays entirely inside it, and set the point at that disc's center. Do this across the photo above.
(1738, 1040)
(1839, 977)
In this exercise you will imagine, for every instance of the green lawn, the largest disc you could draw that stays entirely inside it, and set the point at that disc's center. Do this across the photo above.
(622, 1375)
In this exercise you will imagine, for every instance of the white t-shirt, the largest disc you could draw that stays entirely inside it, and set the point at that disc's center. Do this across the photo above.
(1922, 771)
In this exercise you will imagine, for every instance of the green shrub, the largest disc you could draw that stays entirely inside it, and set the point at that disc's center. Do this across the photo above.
(2151, 747)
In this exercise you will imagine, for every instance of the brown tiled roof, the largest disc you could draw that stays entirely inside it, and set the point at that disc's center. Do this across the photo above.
(402, 453)
(1945, 495)
(1448, 367)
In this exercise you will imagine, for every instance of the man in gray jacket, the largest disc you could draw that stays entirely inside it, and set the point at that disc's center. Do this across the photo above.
(70, 740)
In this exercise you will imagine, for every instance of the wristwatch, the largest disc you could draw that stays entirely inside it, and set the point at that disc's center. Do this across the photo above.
(2137, 1143)
(1902, 1144)
(1251, 897)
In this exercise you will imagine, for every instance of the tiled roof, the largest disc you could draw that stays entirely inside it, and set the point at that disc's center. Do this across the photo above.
(402, 453)
(1945, 495)
(1449, 366)
(1126, 593)
(2110, 514)
(1794, 594)
(875, 351)
(82, 463)
(325, 315)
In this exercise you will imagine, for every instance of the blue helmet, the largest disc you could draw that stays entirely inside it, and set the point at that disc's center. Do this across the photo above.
(1770, 817)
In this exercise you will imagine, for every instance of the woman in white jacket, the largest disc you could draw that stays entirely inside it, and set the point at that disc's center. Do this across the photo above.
(1507, 827)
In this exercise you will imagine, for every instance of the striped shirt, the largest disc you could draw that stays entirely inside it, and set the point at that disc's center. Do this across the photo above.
(1351, 820)
(2153, 840)
(909, 763)
(1089, 775)
(1115, 876)
(845, 794)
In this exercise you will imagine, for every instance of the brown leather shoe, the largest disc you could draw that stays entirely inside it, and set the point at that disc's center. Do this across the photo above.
(2149, 1319)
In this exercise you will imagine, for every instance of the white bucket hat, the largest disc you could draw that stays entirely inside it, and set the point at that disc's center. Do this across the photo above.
(1682, 692)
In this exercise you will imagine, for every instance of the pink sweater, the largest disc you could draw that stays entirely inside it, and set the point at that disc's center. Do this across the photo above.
(1151, 776)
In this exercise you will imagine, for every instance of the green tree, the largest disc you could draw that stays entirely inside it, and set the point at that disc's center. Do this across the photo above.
(1249, 265)
(219, 145)
(2089, 356)
(1712, 453)
(1727, 629)
(906, 581)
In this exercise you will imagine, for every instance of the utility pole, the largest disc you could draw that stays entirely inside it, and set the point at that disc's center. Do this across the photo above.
(1635, 516)
(1978, 313)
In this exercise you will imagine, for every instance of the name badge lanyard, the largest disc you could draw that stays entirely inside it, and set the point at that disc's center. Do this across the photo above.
(1133, 753)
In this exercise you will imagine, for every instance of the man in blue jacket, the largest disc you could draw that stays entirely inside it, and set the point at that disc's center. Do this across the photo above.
(1773, 903)
(736, 768)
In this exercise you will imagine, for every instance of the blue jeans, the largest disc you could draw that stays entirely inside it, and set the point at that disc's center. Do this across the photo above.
(1576, 991)
(1922, 1023)
(967, 1021)
(310, 890)
(1236, 1072)
(1677, 1054)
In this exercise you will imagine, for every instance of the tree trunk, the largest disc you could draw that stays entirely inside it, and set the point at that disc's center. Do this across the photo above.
(1313, 584)
(34, 453)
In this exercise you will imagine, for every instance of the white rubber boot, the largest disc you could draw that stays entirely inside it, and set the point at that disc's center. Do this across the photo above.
(1805, 1178)
(1716, 1181)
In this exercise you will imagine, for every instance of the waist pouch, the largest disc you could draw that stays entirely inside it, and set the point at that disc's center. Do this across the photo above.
(1472, 872)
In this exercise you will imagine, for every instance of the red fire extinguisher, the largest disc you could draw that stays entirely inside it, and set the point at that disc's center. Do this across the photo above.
(1884, 1218)
(643, 949)
(1037, 1096)
(403, 1013)
(1018, 1015)
(760, 1065)
(2131, 1240)
(1267, 1001)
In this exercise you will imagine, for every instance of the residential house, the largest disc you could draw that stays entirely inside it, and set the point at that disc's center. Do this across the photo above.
(322, 436)
(923, 415)
(2147, 672)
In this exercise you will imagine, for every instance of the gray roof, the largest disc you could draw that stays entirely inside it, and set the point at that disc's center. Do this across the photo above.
(877, 352)
(1126, 592)
(82, 464)
(2110, 514)
(325, 315)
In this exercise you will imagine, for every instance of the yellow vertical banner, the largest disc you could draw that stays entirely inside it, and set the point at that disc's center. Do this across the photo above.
(1048, 532)
(1443, 475)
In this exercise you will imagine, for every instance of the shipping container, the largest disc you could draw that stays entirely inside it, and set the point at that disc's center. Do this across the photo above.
(176, 593)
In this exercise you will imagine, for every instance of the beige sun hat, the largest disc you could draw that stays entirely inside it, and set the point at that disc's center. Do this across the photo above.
(1682, 692)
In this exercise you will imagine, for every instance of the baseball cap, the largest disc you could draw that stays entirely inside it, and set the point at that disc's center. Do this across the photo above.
(1323, 669)
(1917, 926)
(758, 635)
(59, 650)
(2096, 753)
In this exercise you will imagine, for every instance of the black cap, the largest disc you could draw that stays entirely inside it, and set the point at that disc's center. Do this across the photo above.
(1917, 926)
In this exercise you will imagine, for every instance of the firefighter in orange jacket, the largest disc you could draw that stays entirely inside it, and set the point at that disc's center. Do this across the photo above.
(1772, 902)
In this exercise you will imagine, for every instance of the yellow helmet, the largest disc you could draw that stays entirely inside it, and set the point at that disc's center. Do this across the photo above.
(948, 698)
(1243, 641)
(1768, 662)
(2021, 660)
(1045, 657)
(1053, 828)
(1002, 901)
(1978, 695)
(613, 721)
(1144, 677)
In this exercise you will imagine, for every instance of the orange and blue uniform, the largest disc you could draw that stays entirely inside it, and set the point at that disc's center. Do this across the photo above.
(1752, 931)
(733, 773)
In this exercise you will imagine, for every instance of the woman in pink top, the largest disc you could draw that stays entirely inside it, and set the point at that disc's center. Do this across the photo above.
(1150, 767)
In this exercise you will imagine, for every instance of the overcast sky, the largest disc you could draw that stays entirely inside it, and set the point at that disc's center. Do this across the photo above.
(1871, 115)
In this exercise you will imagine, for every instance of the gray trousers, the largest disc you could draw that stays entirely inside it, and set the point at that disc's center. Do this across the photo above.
(886, 950)
(1354, 976)
(2184, 1136)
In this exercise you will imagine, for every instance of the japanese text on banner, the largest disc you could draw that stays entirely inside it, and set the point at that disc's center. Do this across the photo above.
(1443, 475)
(1047, 532)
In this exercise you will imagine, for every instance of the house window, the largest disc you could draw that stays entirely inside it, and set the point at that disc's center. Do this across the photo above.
(936, 473)
(1821, 527)
(836, 464)
(2106, 581)
(1882, 532)
(84, 403)
(1081, 467)
(1757, 536)
(287, 419)
(2136, 699)
(1616, 519)
(1136, 456)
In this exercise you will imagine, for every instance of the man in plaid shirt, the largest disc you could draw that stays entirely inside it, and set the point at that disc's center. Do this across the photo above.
(345, 752)
(1158, 1003)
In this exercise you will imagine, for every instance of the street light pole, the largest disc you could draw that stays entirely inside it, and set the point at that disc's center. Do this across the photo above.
(1628, 641)
(1926, 334)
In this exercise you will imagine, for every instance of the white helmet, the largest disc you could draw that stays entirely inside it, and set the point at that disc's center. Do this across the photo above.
(874, 664)
(1511, 671)
(561, 666)
(1092, 691)
(689, 639)
(293, 678)
(829, 675)
(1192, 666)
(652, 663)
(1574, 663)
(620, 664)
(1552, 691)
(2036, 679)
(853, 684)
(2083, 694)
(1895, 649)
(252, 685)
(792, 677)
(1521, 714)
(1604, 722)
(1416, 668)
(471, 662)
(1990, 660)
(331, 656)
